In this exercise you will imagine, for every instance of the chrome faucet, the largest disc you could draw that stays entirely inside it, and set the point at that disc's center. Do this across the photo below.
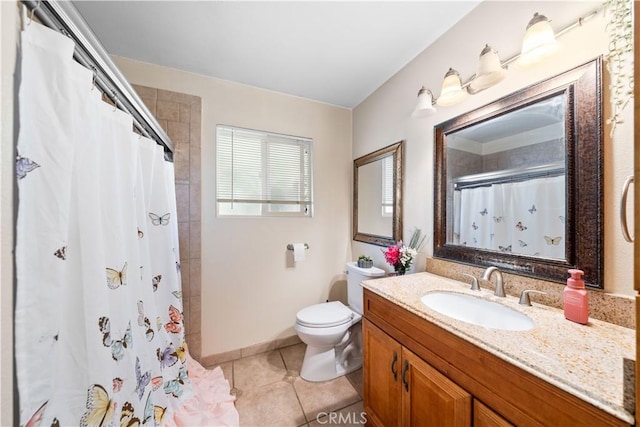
(499, 292)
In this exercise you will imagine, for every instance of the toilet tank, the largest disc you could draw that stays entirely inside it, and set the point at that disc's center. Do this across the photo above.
(355, 276)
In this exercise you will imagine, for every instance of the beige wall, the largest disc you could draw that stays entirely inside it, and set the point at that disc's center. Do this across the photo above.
(250, 291)
(384, 117)
(9, 27)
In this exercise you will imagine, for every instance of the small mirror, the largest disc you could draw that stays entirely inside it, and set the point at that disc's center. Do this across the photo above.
(377, 196)
(518, 182)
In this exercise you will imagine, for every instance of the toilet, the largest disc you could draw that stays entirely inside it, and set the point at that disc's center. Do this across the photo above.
(332, 330)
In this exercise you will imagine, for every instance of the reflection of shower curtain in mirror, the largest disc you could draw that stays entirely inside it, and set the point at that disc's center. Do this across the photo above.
(98, 323)
(525, 217)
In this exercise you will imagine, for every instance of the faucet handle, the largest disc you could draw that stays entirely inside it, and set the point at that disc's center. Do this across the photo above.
(524, 296)
(475, 286)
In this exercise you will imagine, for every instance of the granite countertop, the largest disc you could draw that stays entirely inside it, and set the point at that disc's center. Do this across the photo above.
(584, 360)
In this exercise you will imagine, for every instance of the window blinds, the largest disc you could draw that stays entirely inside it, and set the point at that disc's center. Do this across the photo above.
(261, 173)
(387, 186)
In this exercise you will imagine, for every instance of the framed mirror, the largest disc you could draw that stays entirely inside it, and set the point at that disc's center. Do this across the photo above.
(518, 182)
(377, 196)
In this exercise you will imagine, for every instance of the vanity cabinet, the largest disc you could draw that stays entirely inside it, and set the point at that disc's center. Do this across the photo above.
(485, 417)
(418, 374)
(401, 389)
(382, 376)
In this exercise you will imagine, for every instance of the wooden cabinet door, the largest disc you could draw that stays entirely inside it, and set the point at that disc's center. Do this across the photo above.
(483, 416)
(431, 399)
(381, 375)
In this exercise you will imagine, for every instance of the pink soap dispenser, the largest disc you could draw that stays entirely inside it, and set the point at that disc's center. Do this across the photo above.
(576, 299)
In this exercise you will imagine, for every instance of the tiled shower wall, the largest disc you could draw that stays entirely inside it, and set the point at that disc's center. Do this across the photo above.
(180, 117)
(467, 163)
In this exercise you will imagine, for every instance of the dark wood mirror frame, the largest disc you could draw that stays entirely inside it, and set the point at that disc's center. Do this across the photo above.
(394, 150)
(584, 167)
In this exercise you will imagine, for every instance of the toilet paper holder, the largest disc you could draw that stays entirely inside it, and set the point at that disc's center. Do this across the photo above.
(290, 246)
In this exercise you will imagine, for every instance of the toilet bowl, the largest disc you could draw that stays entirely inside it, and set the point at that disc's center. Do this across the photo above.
(332, 330)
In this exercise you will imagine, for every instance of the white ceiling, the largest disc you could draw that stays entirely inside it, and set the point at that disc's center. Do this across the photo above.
(330, 51)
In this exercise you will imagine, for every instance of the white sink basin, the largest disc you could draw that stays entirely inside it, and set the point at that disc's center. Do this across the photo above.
(478, 311)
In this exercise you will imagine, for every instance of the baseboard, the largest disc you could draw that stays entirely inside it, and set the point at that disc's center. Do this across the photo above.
(229, 356)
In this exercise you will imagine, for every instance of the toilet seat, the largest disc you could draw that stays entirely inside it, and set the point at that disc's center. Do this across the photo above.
(325, 315)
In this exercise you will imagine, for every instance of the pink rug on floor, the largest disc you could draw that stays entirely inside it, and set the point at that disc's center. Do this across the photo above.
(211, 404)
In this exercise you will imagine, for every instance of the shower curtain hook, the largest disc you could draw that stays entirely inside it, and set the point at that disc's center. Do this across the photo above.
(32, 11)
(93, 79)
(115, 100)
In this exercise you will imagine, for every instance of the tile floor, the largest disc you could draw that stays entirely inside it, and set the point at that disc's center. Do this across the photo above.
(270, 392)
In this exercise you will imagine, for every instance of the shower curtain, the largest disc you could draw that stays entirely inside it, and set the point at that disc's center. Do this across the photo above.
(99, 334)
(526, 217)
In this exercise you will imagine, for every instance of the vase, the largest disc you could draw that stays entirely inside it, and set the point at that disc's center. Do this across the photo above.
(400, 269)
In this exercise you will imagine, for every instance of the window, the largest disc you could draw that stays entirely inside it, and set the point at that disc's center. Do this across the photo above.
(262, 174)
(387, 186)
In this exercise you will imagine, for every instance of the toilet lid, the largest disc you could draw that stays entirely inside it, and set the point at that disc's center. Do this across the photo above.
(324, 315)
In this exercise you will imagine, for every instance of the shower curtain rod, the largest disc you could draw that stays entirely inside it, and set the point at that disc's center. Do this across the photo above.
(63, 17)
(508, 175)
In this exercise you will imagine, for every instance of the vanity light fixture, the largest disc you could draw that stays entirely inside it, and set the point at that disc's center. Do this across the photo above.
(424, 106)
(490, 71)
(452, 91)
(539, 41)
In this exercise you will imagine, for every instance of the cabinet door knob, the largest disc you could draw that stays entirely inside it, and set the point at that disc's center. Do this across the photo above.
(394, 371)
(404, 375)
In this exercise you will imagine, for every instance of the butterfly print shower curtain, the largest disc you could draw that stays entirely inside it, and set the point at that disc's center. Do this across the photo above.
(98, 323)
(525, 217)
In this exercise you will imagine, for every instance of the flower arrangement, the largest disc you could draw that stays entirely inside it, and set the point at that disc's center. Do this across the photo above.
(417, 239)
(401, 256)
